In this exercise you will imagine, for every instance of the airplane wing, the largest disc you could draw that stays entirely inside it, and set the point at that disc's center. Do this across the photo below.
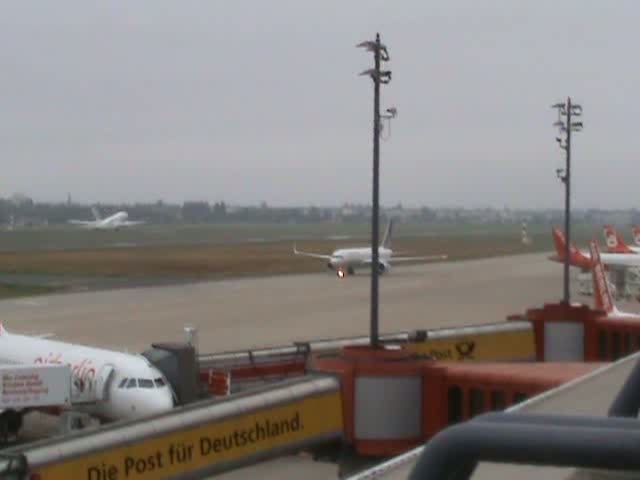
(309, 254)
(130, 223)
(417, 259)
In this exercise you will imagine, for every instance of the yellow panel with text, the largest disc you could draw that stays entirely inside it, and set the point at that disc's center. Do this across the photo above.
(214, 443)
(508, 346)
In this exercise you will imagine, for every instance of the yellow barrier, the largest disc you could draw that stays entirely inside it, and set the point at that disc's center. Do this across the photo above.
(505, 346)
(207, 446)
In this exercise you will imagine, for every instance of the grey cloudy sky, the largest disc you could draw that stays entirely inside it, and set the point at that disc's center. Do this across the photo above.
(260, 100)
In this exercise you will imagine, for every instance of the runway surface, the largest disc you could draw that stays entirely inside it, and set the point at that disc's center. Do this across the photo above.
(266, 311)
(271, 311)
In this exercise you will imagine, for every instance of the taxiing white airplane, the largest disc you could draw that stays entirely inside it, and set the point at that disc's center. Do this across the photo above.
(111, 385)
(346, 260)
(114, 222)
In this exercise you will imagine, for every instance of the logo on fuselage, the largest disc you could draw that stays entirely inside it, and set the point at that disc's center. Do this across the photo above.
(83, 373)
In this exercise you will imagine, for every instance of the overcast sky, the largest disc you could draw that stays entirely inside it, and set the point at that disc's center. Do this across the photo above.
(250, 101)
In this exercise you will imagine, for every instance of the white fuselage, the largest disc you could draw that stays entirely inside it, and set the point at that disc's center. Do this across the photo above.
(618, 259)
(98, 374)
(116, 220)
(346, 258)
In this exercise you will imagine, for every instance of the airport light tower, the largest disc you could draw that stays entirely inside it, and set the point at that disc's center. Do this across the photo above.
(565, 123)
(379, 77)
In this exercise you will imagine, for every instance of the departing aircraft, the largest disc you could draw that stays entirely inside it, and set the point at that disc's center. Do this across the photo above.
(115, 385)
(346, 260)
(615, 243)
(602, 288)
(114, 222)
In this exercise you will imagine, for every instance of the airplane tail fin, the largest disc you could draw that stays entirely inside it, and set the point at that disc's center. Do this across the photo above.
(96, 213)
(558, 242)
(636, 235)
(615, 243)
(576, 257)
(601, 291)
(386, 239)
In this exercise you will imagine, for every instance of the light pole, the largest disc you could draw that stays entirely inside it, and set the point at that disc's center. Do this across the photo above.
(566, 125)
(379, 77)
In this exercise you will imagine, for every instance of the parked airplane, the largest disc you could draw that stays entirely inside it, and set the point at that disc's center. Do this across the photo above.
(602, 288)
(346, 260)
(114, 222)
(615, 243)
(111, 385)
(582, 259)
(636, 235)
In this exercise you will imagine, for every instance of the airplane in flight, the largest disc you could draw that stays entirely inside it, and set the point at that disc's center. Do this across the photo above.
(114, 222)
(107, 384)
(603, 297)
(346, 260)
(615, 242)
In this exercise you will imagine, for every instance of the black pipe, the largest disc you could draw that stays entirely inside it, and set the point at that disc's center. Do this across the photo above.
(456, 449)
(559, 420)
(627, 402)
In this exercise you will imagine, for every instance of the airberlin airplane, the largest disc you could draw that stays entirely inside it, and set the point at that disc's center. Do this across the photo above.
(582, 259)
(112, 385)
(602, 291)
(615, 242)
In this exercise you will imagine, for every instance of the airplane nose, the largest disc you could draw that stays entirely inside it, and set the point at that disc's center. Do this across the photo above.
(166, 402)
(162, 402)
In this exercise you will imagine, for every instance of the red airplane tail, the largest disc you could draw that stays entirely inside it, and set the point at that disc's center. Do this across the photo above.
(576, 257)
(601, 291)
(615, 243)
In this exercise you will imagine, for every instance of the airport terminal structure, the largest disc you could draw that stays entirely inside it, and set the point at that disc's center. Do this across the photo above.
(453, 366)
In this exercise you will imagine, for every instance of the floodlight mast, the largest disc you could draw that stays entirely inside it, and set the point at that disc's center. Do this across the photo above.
(567, 111)
(379, 77)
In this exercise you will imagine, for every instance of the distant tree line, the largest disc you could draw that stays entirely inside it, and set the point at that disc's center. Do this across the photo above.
(24, 211)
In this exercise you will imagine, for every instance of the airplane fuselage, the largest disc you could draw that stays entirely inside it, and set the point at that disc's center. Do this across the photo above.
(98, 375)
(352, 258)
(114, 221)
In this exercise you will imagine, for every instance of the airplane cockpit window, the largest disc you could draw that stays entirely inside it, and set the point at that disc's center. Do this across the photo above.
(132, 383)
(159, 382)
(145, 383)
(123, 383)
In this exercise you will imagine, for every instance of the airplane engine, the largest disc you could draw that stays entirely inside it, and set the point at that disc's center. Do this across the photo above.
(383, 267)
(330, 266)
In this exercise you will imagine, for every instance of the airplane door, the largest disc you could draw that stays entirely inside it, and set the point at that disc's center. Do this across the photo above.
(103, 382)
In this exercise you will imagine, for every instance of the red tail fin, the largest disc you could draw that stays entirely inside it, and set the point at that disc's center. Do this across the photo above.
(636, 235)
(559, 242)
(601, 291)
(576, 257)
(615, 243)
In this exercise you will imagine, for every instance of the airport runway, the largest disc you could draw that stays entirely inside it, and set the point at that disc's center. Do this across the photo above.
(268, 311)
